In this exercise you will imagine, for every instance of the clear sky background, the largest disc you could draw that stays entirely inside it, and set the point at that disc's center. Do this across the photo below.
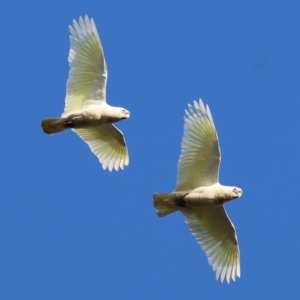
(69, 229)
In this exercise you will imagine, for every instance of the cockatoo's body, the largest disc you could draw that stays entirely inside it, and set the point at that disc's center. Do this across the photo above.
(197, 198)
(86, 111)
(200, 197)
(90, 117)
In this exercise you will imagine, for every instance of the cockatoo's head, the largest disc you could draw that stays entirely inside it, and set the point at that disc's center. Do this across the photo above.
(228, 193)
(124, 113)
(116, 114)
(237, 192)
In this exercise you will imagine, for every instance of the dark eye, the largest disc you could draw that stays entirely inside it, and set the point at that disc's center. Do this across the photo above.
(234, 190)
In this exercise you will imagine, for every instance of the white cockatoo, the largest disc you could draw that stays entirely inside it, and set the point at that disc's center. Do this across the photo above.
(86, 111)
(200, 197)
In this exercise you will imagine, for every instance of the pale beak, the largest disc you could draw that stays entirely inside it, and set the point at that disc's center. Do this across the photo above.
(239, 192)
(127, 113)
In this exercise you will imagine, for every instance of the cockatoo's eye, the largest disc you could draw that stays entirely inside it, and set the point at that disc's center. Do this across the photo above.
(234, 190)
(125, 112)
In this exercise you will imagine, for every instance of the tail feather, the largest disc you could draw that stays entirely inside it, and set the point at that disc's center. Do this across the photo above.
(163, 204)
(52, 126)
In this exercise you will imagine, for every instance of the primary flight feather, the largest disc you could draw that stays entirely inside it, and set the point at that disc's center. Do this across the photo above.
(200, 197)
(86, 111)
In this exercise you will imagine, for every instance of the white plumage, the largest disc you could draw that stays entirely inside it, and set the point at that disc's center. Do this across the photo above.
(86, 111)
(200, 197)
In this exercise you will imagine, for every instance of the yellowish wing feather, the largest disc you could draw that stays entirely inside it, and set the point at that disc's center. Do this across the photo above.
(216, 234)
(108, 144)
(88, 73)
(200, 156)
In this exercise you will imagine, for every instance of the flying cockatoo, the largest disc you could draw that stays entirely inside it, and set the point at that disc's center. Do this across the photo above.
(86, 111)
(200, 197)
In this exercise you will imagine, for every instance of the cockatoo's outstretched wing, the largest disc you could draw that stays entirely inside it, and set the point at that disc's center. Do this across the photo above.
(200, 156)
(108, 144)
(88, 74)
(216, 234)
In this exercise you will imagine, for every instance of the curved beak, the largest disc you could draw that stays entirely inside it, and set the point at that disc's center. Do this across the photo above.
(239, 193)
(127, 114)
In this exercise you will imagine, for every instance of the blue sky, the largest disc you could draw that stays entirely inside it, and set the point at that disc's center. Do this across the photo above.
(70, 230)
